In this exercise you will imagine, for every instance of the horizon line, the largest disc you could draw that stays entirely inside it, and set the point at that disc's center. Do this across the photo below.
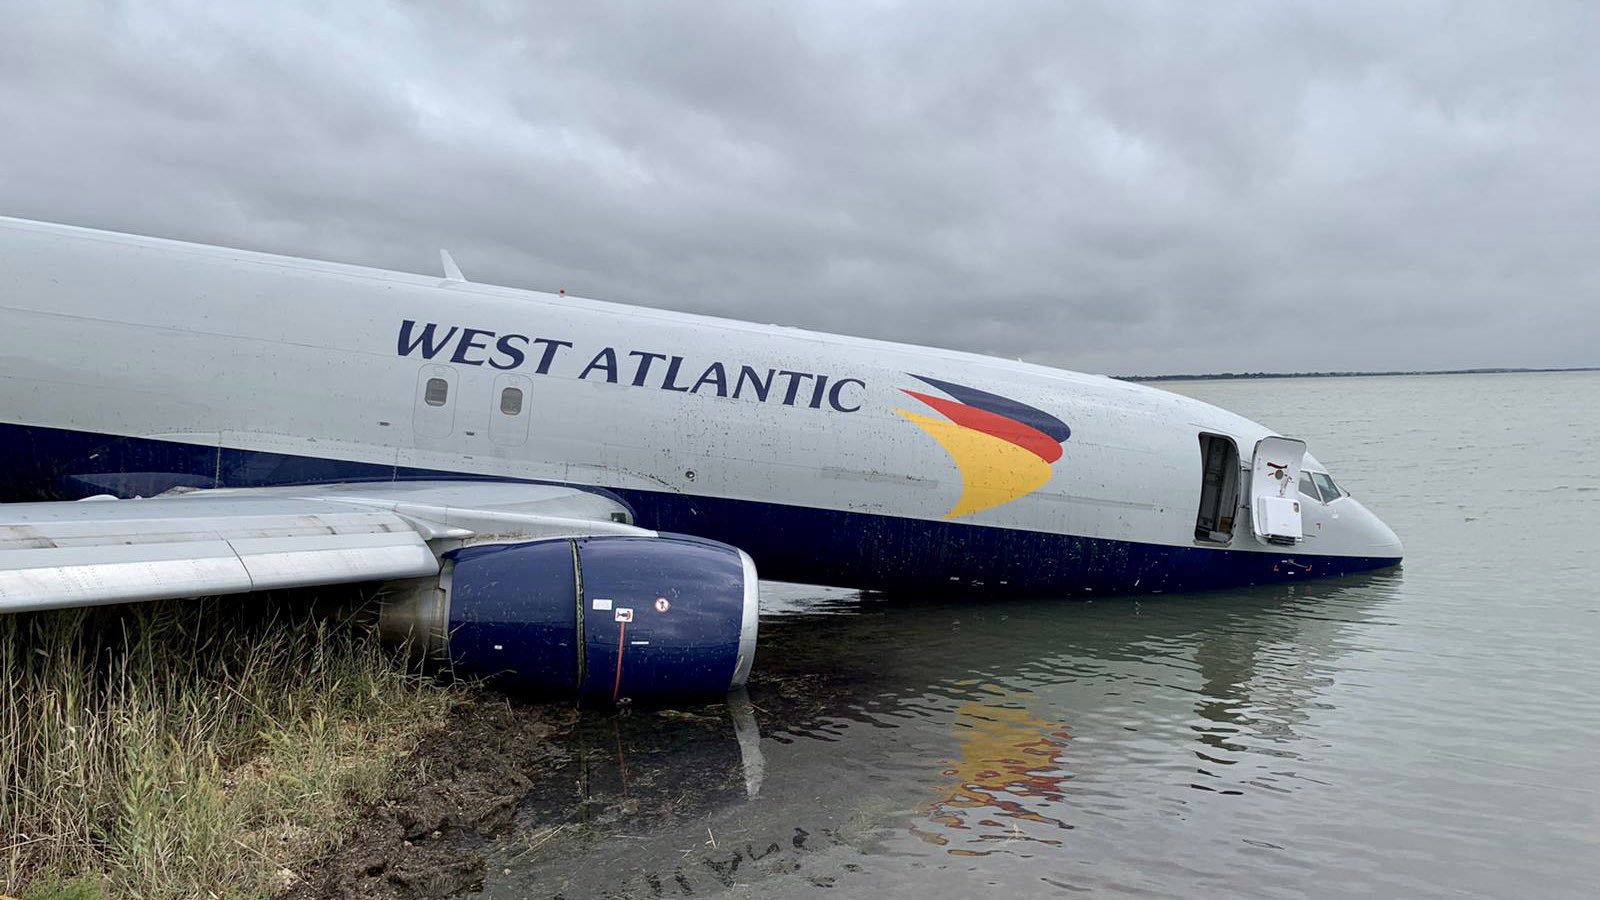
(1483, 370)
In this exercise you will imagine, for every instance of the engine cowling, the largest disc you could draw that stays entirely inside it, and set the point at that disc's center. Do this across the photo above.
(609, 619)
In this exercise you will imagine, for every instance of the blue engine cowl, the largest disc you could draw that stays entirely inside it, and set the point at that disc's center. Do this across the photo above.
(610, 619)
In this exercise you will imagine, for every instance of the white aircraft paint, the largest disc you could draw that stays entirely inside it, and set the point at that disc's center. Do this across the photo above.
(255, 370)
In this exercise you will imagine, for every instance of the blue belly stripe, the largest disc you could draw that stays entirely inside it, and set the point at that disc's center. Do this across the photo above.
(788, 543)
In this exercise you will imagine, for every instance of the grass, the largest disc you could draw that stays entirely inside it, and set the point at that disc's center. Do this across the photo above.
(191, 748)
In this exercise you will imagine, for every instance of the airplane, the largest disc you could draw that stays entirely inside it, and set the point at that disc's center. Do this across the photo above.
(573, 495)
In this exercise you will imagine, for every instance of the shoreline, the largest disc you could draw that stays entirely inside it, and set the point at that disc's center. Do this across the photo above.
(1251, 376)
(458, 791)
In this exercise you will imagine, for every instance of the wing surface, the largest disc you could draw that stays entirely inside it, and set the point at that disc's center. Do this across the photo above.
(202, 543)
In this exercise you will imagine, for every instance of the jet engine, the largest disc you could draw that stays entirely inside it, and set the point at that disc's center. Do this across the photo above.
(608, 619)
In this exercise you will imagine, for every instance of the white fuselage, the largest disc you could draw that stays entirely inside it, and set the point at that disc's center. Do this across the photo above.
(127, 355)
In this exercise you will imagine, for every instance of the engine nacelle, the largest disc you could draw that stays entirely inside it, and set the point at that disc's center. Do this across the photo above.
(610, 619)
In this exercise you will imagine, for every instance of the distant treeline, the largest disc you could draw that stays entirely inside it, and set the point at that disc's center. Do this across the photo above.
(1225, 375)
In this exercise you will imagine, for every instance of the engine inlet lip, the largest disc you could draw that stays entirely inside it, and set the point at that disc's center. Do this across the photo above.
(749, 622)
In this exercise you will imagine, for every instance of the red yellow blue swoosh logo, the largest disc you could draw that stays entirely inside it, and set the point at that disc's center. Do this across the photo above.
(1004, 449)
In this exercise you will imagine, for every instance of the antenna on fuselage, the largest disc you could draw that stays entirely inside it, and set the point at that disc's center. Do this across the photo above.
(452, 272)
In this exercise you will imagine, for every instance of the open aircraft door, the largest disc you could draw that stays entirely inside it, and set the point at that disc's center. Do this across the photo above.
(1275, 490)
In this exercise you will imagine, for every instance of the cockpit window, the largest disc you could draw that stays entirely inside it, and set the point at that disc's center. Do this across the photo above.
(1330, 491)
(1308, 487)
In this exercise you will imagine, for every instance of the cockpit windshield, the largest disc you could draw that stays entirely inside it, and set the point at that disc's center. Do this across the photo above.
(1320, 486)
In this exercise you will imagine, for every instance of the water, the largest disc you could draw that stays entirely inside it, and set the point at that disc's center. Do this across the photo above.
(1428, 732)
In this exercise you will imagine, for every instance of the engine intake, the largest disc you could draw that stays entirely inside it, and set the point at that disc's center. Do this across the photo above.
(610, 619)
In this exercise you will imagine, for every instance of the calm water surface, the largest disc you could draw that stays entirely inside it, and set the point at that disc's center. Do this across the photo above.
(1428, 732)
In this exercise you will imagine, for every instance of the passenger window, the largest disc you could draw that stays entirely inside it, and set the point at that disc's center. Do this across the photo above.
(1308, 487)
(1330, 491)
(511, 401)
(436, 392)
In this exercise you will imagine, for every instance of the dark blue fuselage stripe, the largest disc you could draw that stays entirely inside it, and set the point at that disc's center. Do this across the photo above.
(789, 543)
(1034, 418)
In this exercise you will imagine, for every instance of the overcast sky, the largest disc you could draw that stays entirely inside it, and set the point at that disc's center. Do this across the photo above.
(1120, 187)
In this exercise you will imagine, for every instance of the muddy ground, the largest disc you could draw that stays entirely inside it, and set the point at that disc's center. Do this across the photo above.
(509, 783)
(457, 793)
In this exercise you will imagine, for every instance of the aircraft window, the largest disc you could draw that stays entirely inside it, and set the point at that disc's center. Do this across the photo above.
(1308, 487)
(1330, 491)
(511, 401)
(436, 392)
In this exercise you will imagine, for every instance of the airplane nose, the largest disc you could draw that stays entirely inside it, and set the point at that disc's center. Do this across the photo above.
(1380, 539)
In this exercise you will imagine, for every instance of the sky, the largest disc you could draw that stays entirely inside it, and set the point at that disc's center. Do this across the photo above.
(1122, 187)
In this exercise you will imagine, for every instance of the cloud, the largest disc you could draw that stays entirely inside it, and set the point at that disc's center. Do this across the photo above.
(1122, 187)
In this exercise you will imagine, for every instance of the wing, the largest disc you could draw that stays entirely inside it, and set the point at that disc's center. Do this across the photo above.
(202, 543)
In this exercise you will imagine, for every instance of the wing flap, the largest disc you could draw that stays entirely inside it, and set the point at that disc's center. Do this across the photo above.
(333, 559)
(55, 555)
(60, 577)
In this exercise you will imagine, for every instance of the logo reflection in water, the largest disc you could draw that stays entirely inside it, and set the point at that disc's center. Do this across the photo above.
(1009, 765)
